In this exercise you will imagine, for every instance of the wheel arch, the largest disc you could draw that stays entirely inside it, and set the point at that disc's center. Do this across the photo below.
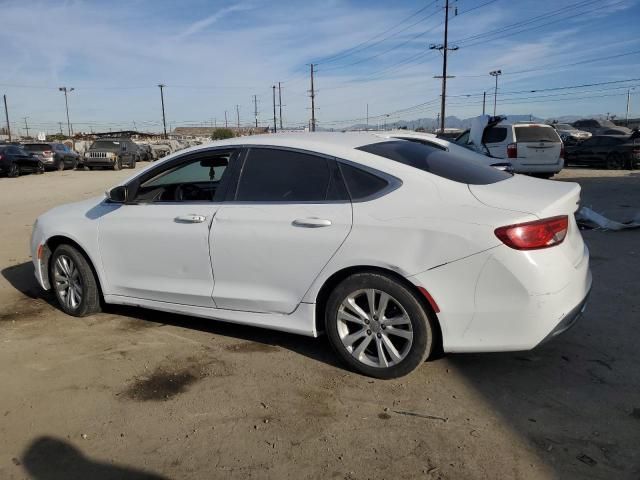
(337, 277)
(54, 242)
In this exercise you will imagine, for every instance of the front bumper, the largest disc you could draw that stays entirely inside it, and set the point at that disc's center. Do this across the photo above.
(99, 161)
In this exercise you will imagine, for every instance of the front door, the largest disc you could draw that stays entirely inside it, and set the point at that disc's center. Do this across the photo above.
(289, 216)
(156, 247)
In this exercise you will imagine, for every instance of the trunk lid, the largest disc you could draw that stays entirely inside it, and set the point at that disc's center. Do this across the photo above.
(537, 144)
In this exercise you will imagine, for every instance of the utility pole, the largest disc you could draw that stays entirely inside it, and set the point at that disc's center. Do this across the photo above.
(226, 122)
(628, 102)
(444, 49)
(238, 115)
(367, 117)
(484, 100)
(164, 120)
(60, 123)
(255, 108)
(275, 125)
(280, 103)
(313, 102)
(6, 115)
(66, 103)
(495, 73)
(26, 125)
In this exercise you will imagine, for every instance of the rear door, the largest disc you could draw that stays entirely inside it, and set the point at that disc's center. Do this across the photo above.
(289, 215)
(537, 144)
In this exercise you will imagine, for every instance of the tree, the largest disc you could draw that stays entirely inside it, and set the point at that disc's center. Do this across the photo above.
(222, 133)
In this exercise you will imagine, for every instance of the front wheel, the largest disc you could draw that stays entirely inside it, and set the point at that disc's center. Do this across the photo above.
(117, 165)
(74, 282)
(378, 326)
(614, 162)
(14, 170)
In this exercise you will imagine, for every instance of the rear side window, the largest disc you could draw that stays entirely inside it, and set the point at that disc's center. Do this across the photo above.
(272, 175)
(361, 184)
(536, 133)
(443, 164)
(37, 147)
(494, 135)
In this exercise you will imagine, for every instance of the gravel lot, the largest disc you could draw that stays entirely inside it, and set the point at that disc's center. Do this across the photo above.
(133, 393)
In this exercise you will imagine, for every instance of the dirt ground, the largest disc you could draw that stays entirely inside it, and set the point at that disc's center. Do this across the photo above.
(136, 394)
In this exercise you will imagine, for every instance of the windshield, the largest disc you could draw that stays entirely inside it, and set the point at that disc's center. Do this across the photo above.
(443, 164)
(105, 145)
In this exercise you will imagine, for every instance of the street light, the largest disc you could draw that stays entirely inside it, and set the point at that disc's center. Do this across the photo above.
(495, 73)
(66, 103)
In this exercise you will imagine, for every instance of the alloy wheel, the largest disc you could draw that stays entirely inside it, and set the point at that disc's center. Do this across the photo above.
(68, 282)
(374, 328)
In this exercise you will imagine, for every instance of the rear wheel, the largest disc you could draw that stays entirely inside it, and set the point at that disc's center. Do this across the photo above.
(74, 282)
(378, 326)
(60, 165)
(614, 161)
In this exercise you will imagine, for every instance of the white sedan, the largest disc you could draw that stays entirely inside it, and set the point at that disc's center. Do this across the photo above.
(387, 246)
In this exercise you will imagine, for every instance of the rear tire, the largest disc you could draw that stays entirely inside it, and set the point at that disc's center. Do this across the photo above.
(74, 282)
(614, 161)
(60, 165)
(377, 326)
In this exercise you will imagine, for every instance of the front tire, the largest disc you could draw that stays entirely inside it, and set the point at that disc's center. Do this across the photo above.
(614, 161)
(74, 282)
(378, 326)
(117, 165)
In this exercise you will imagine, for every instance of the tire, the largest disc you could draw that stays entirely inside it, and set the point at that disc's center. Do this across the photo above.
(117, 165)
(614, 161)
(60, 165)
(40, 168)
(358, 337)
(133, 163)
(14, 170)
(81, 296)
(74, 165)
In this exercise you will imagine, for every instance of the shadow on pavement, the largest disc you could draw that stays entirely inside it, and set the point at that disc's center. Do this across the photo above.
(49, 458)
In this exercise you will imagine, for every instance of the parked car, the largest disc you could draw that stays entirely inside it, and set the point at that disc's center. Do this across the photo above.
(569, 134)
(54, 156)
(15, 160)
(392, 248)
(432, 140)
(145, 154)
(610, 151)
(601, 127)
(111, 152)
(532, 148)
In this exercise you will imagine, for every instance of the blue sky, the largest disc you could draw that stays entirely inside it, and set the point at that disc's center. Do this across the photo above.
(213, 55)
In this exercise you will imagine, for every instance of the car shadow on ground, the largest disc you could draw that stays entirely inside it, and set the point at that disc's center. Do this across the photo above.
(49, 458)
(21, 277)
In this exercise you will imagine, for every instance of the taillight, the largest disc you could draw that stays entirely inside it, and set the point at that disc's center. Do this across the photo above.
(512, 150)
(47, 153)
(562, 150)
(534, 235)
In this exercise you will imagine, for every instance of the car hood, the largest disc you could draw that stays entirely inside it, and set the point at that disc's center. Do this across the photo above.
(92, 209)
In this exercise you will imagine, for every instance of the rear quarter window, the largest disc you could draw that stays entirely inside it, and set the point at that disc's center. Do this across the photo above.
(443, 164)
(494, 135)
(536, 133)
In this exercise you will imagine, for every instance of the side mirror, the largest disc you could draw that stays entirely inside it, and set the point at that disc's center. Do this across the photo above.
(118, 194)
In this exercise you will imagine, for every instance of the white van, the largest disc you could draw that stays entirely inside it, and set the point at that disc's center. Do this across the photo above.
(533, 148)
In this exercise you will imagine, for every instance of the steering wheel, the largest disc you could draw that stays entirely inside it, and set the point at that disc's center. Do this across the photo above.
(187, 192)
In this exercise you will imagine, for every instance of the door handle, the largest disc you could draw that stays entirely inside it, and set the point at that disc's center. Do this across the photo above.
(191, 218)
(311, 222)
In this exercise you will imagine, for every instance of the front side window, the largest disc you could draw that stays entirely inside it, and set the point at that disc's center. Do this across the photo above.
(272, 175)
(194, 180)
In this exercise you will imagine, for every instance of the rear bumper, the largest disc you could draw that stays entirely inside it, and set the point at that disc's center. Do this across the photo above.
(507, 300)
(520, 166)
